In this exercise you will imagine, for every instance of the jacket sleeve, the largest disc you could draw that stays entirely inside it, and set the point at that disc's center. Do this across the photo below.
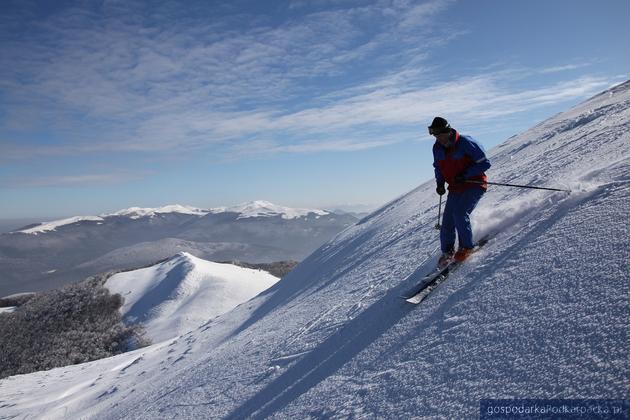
(439, 178)
(478, 156)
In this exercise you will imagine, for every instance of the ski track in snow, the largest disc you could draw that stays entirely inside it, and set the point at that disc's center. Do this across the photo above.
(540, 312)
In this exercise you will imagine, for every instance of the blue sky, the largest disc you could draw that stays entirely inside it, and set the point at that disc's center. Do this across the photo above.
(106, 105)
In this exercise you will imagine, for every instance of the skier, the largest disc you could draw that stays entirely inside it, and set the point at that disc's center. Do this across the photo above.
(457, 159)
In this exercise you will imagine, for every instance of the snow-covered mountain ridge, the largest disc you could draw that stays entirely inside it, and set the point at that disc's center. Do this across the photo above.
(540, 312)
(138, 212)
(176, 296)
(257, 208)
(266, 209)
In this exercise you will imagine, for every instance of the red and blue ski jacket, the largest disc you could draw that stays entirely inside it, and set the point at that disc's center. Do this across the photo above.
(465, 156)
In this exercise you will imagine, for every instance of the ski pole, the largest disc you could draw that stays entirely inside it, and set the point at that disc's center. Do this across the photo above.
(518, 186)
(438, 226)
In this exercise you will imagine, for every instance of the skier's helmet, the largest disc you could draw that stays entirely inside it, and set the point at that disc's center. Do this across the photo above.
(439, 125)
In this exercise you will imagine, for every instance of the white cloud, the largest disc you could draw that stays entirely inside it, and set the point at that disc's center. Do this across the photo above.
(419, 14)
(119, 79)
(471, 98)
(71, 180)
(567, 67)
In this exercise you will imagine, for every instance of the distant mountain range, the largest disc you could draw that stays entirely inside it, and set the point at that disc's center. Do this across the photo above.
(45, 255)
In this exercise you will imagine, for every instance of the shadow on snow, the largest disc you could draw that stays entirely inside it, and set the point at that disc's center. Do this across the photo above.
(332, 354)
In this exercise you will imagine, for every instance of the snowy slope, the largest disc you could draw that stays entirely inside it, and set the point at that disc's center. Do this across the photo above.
(541, 312)
(176, 296)
(50, 226)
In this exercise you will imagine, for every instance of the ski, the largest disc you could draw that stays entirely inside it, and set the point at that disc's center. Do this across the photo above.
(434, 279)
(431, 283)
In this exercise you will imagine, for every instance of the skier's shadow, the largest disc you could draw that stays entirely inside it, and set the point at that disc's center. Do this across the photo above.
(332, 354)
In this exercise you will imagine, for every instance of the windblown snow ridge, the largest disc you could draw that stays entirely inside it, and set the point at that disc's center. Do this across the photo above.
(178, 295)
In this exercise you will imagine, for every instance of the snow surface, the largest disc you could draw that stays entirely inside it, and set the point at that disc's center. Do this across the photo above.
(176, 296)
(262, 208)
(50, 226)
(540, 312)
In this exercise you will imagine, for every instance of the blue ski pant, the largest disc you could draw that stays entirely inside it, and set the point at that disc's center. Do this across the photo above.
(459, 206)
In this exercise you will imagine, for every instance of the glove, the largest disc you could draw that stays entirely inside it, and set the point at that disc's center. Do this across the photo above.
(440, 189)
(460, 178)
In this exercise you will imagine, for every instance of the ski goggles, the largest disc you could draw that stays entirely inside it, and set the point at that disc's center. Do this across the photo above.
(436, 131)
